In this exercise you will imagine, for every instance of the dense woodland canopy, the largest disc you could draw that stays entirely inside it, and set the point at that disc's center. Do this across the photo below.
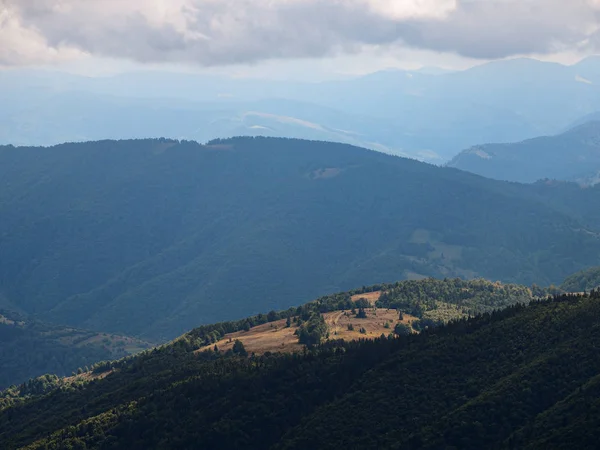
(585, 280)
(523, 377)
(152, 237)
(31, 348)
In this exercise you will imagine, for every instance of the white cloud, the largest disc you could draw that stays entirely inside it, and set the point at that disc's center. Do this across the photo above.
(222, 32)
(21, 45)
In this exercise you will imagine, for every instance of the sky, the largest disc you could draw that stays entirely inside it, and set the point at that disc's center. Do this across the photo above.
(291, 38)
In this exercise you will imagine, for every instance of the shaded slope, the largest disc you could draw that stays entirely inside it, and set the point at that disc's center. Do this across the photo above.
(585, 280)
(441, 395)
(30, 348)
(152, 237)
(573, 155)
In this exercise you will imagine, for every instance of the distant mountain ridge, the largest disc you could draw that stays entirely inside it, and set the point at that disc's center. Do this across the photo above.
(149, 238)
(573, 156)
(422, 113)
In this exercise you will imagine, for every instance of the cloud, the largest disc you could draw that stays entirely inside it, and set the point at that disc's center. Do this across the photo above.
(221, 32)
(21, 45)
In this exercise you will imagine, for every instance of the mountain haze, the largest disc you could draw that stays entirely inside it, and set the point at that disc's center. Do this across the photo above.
(422, 114)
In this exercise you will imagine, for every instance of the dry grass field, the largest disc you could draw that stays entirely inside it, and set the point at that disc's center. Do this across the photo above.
(371, 297)
(275, 337)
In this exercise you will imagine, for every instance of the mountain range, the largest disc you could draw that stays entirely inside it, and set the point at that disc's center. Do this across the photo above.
(426, 114)
(150, 238)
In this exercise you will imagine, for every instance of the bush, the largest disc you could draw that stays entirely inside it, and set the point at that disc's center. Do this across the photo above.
(402, 329)
(313, 331)
(239, 349)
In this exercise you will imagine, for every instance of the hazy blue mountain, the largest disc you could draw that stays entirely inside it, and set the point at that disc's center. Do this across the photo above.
(152, 237)
(592, 117)
(573, 155)
(427, 114)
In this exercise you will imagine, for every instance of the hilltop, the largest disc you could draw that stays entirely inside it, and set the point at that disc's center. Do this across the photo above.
(573, 155)
(150, 238)
(366, 313)
(475, 382)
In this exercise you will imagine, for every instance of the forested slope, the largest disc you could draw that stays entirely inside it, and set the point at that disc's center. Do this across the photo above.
(152, 237)
(573, 155)
(524, 377)
(31, 348)
(582, 281)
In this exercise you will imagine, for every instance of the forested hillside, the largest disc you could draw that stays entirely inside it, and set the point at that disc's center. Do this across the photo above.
(573, 156)
(152, 237)
(31, 348)
(524, 377)
(585, 280)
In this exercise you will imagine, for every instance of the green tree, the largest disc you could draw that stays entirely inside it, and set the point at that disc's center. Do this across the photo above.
(239, 349)
(402, 329)
(312, 331)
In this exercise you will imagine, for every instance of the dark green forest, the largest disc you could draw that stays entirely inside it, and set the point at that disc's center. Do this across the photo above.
(585, 280)
(150, 238)
(521, 377)
(31, 348)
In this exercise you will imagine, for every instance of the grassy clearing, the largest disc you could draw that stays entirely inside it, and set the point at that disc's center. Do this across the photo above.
(276, 337)
(371, 297)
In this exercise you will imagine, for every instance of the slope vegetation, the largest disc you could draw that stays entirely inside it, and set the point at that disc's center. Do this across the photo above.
(573, 155)
(31, 348)
(585, 280)
(152, 237)
(524, 377)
